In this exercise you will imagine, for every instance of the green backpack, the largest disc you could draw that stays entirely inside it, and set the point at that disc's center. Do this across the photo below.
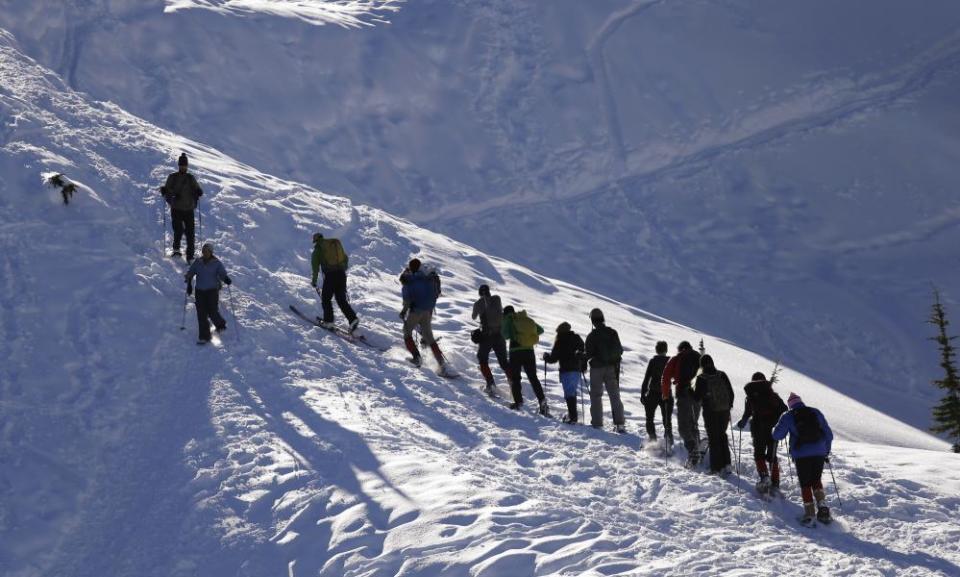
(332, 253)
(525, 329)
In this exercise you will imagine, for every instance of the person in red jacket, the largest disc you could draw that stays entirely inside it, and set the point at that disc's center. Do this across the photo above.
(681, 370)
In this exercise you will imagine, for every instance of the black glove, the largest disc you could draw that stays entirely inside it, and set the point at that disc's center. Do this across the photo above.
(546, 357)
(741, 424)
(403, 314)
(826, 459)
(227, 281)
(189, 288)
(313, 283)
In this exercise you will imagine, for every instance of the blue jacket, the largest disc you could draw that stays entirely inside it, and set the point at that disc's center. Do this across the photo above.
(419, 292)
(787, 424)
(208, 273)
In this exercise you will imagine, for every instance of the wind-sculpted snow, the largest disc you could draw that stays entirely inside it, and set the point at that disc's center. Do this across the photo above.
(126, 450)
(346, 13)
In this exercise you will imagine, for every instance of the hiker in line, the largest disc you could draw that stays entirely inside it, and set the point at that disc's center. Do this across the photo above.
(603, 351)
(420, 293)
(681, 369)
(523, 334)
(715, 394)
(568, 351)
(810, 442)
(652, 397)
(489, 310)
(182, 193)
(209, 272)
(328, 256)
(762, 407)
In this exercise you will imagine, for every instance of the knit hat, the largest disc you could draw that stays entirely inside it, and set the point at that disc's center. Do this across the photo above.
(182, 161)
(414, 265)
(706, 363)
(207, 246)
(563, 327)
(596, 315)
(758, 376)
(484, 290)
(508, 310)
(793, 400)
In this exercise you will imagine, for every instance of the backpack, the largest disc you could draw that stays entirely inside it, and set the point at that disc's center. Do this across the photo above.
(808, 425)
(525, 329)
(608, 348)
(332, 254)
(492, 314)
(434, 277)
(689, 362)
(767, 405)
(718, 393)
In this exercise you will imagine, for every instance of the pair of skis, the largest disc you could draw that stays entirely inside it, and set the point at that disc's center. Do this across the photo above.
(350, 337)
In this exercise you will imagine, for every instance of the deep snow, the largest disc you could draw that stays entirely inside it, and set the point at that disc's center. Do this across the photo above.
(127, 450)
(778, 175)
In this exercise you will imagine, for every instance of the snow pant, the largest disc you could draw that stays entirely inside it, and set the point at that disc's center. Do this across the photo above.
(605, 378)
(423, 320)
(666, 413)
(716, 424)
(688, 417)
(524, 360)
(809, 473)
(182, 221)
(335, 286)
(498, 345)
(571, 382)
(765, 450)
(208, 309)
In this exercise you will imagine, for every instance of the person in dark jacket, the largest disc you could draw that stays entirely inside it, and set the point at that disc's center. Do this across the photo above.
(568, 351)
(420, 292)
(209, 273)
(489, 310)
(604, 351)
(328, 256)
(515, 328)
(651, 396)
(762, 407)
(681, 369)
(811, 440)
(715, 394)
(182, 193)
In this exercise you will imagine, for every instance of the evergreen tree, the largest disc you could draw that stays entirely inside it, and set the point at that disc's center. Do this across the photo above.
(946, 414)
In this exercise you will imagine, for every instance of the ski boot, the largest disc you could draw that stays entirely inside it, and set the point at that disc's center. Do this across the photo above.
(621, 429)
(544, 409)
(809, 517)
(354, 324)
(516, 406)
(763, 485)
(823, 514)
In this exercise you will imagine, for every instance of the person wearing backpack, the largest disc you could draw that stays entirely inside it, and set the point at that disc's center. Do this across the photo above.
(652, 397)
(810, 442)
(182, 193)
(489, 310)
(715, 393)
(762, 407)
(568, 351)
(420, 292)
(523, 334)
(328, 256)
(603, 351)
(681, 369)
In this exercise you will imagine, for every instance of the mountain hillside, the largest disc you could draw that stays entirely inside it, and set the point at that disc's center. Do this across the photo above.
(127, 450)
(780, 176)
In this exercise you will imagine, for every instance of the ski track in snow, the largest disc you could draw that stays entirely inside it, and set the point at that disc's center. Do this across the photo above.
(345, 13)
(280, 450)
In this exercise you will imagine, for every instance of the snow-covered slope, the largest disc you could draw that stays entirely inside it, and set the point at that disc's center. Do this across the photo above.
(782, 176)
(126, 450)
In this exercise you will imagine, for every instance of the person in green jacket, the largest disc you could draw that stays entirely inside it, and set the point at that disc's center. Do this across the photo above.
(330, 258)
(523, 334)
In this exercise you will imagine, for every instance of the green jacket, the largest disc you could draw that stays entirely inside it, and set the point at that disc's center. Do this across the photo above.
(509, 333)
(328, 255)
(181, 191)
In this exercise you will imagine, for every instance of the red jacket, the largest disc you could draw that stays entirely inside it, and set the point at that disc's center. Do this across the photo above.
(682, 368)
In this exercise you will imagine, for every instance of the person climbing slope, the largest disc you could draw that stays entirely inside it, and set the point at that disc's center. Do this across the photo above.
(681, 370)
(652, 397)
(209, 272)
(604, 351)
(420, 292)
(762, 408)
(810, 442)
(715, 394)
(329, 257)
(523, 334)
(489, 310)
(182, 193)
(568, 351)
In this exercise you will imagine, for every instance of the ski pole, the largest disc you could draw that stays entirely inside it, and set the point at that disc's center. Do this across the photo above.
(730, 421)
(835, 489)
(163, 213)
(583, 415)
(200, 226)
(233, 311)
(183, 318)
(544, 374)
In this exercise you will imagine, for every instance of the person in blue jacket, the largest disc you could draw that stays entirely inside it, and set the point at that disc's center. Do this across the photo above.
(810, 442)
(209, 273)
(420, 292)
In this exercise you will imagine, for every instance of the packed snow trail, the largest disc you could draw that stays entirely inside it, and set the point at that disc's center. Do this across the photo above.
(283, 450)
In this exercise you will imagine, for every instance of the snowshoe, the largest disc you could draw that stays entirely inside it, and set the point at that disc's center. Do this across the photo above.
(516, 406)
(544, 409)
(329, 325)
(491, 391)
(621, 429)
(823, 515)
(569, 420)
(354, 324)
(415, 361)
(175, 254)
(203, 341)
(806, 521)
(763, 485)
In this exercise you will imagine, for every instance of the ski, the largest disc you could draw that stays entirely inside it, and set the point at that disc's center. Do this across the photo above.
(343, 334)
